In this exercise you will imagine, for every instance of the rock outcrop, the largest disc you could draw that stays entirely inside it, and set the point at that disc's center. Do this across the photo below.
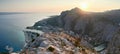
(55, 43)
(95, 32)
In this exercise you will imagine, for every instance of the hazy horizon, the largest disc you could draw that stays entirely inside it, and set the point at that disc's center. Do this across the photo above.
(57, 5)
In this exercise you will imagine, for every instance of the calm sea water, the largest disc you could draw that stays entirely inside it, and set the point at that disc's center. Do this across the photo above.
(12, 25)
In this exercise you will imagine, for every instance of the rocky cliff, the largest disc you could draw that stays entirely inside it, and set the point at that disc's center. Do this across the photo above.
(95, 32)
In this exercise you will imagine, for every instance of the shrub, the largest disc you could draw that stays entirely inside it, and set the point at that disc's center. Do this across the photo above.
(51, 49)
(33, 40)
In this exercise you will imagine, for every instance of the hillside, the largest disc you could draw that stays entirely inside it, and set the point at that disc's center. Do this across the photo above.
(95, 32)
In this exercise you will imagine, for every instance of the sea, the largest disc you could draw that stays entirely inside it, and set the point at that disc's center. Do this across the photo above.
(12, 25)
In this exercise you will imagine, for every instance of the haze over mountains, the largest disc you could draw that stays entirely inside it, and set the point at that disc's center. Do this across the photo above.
(100, 30)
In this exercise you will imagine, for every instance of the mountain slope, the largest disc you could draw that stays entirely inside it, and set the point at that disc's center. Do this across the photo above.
(93, 27)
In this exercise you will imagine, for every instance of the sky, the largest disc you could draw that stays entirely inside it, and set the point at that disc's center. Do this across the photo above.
(57, 5)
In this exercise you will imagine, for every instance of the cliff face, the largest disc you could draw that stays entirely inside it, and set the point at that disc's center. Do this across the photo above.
(97, 29)
(60, 42)
(114, 45)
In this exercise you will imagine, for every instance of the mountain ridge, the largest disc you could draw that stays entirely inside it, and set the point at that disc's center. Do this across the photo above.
(95, 28)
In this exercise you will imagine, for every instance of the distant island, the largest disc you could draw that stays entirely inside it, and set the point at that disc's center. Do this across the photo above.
(73, 32)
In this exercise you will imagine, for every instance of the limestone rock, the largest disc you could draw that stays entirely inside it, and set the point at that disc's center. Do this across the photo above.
(75, 28)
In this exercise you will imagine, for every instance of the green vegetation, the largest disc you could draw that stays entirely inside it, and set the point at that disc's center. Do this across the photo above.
(77, 43)
(29, 27)
(63, 44)
(37, 34)
(33, 40)
(51, 49)
(53, 20)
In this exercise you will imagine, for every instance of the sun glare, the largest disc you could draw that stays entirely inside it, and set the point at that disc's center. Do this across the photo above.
(84, 6)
